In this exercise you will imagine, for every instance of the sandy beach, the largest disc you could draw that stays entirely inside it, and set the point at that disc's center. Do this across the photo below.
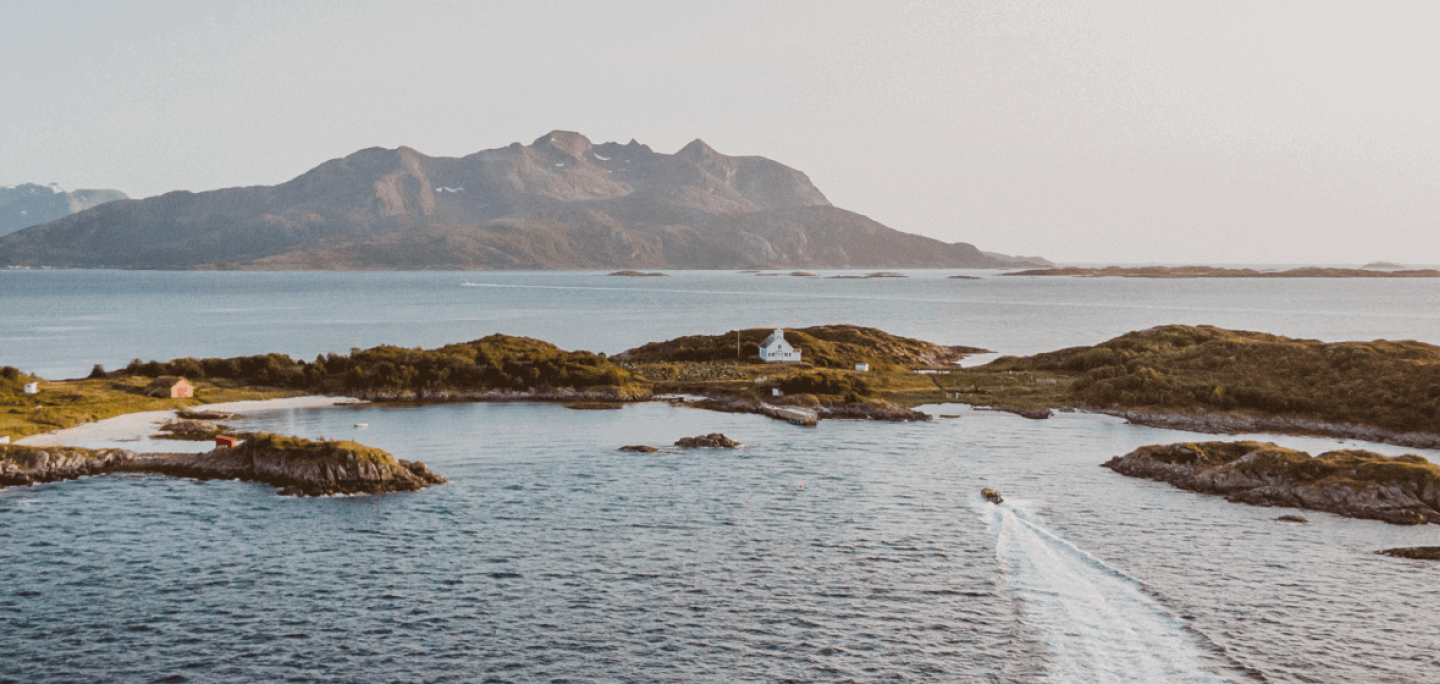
(134, 431)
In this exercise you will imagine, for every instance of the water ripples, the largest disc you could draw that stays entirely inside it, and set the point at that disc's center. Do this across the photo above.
(553, 557)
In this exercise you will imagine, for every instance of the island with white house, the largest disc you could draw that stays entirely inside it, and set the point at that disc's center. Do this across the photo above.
(776, 350)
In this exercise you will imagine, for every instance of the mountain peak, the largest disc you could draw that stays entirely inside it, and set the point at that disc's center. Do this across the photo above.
(569, 142)
(697, 149)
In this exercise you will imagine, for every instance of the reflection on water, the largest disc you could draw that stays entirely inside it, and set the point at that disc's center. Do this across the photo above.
(551, 556)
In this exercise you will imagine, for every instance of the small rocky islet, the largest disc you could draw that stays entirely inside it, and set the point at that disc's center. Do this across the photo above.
(297, 467)
(714, 440)
(1402, 490)
(1413, 553)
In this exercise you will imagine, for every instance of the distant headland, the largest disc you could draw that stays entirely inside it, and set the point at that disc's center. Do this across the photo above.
(1369, 271)
(561, 202)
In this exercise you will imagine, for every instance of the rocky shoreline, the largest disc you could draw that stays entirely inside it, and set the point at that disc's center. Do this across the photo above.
(498, 395)
(868, 411)
(725, 404)
(293, 476)
(1221, 424)
(1404, 490)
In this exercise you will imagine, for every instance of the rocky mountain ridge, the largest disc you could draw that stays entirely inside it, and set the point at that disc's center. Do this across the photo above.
(561, 202)
(30, 204)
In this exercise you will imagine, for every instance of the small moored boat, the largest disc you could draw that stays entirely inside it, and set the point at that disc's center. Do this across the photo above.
(991, 495)
(360, 425)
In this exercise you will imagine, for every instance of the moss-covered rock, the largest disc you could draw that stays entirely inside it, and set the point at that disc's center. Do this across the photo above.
(297, 466)
(1404, 490)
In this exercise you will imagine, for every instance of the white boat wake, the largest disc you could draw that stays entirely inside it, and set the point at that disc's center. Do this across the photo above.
(1094, 623)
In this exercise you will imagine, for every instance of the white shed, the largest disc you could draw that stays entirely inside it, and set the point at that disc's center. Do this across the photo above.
(32, 388)
(776, 350)
(862, 367)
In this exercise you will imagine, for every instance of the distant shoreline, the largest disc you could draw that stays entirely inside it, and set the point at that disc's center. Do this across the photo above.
(1221, 272)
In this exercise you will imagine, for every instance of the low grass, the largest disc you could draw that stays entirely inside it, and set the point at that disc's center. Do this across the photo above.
(68, 403)
(307, 451)
(822, 346)
(1393, 385)
(803, 384)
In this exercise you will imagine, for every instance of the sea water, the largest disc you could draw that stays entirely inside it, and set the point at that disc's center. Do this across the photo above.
(551, 556)
(58, 324)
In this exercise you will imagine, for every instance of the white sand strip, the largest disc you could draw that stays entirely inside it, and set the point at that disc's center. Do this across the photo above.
(277, 404)
(133, 431)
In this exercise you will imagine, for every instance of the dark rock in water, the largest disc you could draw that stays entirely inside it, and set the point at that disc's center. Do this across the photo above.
(1413, 552)
(186, 428)
(204, 415)
(1032, 414)
(641, 448)
(1292, 519)
(712, 440)
(594, 405)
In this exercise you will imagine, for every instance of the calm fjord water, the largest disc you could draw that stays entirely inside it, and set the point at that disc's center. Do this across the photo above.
(552, 557)
(60, 323)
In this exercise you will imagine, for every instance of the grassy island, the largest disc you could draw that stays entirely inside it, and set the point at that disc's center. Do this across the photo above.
(1392, 385)
(68, 403)
(494, 362)
(497, 362)
(1198, 378)
(728, 366)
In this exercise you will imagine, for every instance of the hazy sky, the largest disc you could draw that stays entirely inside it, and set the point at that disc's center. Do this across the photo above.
(1082, 131)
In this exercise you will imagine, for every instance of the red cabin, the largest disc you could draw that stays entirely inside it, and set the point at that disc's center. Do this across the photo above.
(170, 386)
(225, 441)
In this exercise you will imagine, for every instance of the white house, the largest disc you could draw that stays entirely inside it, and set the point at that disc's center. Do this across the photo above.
(862, 367)
(776, 350)
(32, 388)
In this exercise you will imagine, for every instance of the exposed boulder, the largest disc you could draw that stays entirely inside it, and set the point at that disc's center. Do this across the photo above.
(1032, 414)
(712, 440)
(640, 448)
(1413, 552)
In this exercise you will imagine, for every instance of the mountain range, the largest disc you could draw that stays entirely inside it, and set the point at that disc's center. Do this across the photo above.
(29, 204)
(561, 202)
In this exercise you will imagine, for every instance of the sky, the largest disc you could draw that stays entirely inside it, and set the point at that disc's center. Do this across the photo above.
(1117, 132)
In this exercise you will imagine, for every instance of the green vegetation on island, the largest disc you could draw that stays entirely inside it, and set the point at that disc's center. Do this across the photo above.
(823, 346)
(311, 452)
(1199, 378)
(1393, 385)
(67, 403)
(494, 362)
